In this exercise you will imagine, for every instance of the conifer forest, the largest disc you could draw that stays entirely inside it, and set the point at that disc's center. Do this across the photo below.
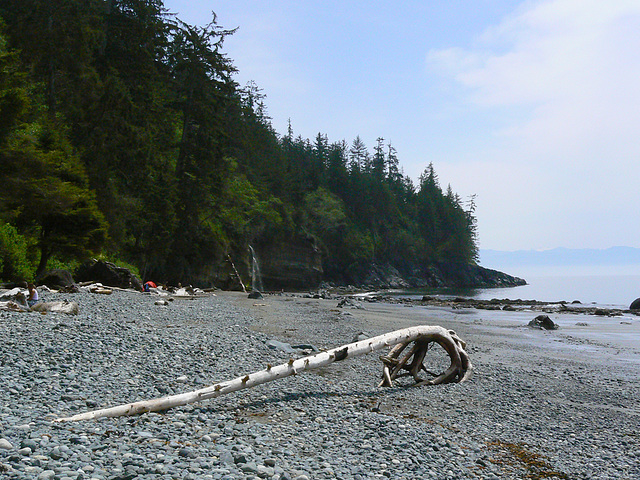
(124, 136)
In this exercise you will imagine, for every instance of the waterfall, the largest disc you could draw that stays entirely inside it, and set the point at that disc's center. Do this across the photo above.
(256, 278)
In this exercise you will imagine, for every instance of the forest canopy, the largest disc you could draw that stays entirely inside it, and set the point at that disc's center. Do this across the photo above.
(124, 134)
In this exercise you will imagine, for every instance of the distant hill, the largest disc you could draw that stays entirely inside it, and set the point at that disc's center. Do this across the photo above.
(561, 257)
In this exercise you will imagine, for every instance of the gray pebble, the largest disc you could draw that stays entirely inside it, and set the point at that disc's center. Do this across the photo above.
(5, 444)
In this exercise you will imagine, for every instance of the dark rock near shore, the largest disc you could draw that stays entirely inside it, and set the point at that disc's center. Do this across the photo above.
(109, 274)
(437, 275)
(56, 279)
(543, 322)
(635, 305)
(470, 275)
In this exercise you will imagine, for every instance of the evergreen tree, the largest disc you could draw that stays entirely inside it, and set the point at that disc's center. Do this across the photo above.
(337, 173)
(378, 162)
(358, 156)
(46, 196)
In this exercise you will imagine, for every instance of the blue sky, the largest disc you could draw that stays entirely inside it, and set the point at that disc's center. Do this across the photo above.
(533, 106)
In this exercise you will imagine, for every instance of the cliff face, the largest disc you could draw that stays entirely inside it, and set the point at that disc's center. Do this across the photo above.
(435, 276)
(294, 264)
(466, 275)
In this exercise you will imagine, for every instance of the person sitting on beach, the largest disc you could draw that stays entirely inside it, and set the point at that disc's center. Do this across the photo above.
(33, 298)
(148, 286)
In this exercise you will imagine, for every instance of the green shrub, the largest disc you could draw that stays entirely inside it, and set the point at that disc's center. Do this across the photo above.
(14, 260)
(120, 263)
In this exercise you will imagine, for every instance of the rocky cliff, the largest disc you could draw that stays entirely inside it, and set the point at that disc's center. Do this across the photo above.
(294, 264)
(297, 265)
(437, 275)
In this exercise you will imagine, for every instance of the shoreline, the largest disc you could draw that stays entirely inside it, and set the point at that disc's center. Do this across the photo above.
(557, 404)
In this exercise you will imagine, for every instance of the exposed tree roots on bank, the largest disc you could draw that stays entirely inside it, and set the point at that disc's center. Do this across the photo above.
(394, 367)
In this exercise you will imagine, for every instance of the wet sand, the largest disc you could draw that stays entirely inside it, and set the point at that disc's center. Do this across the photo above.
(581, 338)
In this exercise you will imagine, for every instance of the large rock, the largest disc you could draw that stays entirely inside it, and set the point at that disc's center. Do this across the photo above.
(385, 276)
(543, 322)
(635, 305)
(456, 274)
(56, 279)
(109, 274)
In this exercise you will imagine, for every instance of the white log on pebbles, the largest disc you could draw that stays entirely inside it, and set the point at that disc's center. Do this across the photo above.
(412, 362)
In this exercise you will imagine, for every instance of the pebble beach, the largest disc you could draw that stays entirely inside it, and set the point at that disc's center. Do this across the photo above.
(557, 404)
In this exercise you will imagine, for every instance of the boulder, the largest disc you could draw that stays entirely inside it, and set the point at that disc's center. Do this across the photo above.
(57, 279)
(543, 322)
(109, 274)
(635, 305)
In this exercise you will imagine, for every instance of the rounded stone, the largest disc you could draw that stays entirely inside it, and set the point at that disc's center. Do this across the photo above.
(5, 444)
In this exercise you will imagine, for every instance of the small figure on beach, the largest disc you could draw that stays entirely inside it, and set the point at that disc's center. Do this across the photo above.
(33, 297)
(149, 285)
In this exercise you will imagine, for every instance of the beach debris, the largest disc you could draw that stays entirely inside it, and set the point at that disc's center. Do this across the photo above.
(422, 336)
(101, 290)
(543, 322)
(70, 308)
(14, 300)
(13, 306)
(244, 289)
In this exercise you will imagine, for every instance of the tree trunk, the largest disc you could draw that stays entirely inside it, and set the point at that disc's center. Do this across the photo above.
(44, 259)
(459, 370)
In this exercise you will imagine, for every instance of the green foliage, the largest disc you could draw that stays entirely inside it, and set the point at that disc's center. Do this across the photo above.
(13, 94)
(71, 265)
(46, 196)
(14, 260)
(325, 212)
(121, 127)
(245, 213)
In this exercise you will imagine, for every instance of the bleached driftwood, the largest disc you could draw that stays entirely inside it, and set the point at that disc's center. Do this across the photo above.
(70, 308)
(458, 371)
(237, 274)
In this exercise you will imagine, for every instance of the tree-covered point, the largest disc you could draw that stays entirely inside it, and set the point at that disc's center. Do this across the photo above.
(123, 132)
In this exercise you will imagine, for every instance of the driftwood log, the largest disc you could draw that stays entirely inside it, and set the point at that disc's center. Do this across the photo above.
(394, 367)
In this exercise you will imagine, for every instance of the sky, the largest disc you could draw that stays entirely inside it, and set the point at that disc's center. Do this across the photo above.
(531, 106)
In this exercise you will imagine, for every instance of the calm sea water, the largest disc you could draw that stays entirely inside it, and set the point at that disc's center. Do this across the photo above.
(606, 289)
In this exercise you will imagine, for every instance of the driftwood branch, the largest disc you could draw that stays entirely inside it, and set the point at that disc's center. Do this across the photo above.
(237, 274)
(423, 336)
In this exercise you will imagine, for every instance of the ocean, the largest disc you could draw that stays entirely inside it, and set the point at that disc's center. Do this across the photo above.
(616, 291)
(603, 287)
